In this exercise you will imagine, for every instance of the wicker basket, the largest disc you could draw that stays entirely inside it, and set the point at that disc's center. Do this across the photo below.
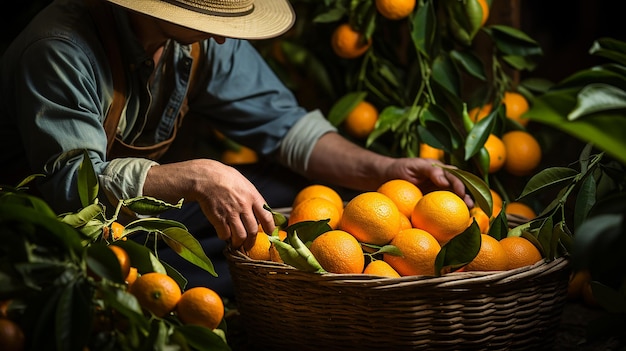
(283, 308)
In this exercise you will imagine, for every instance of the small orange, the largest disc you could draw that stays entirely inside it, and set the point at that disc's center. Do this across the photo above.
(4, 308)
(395, 9)
(348, 43)
(523, 152)
(479, 112)
(577, 281)
(156, 292)
(372, 217)
(491, 256)
(481, 219)
(117, 230)
(361, 121)
(122, 257)
(520, 251)
(405, 222)
(244, 155)
(497, 153)
(11, 336)
(516, 105)
(419, 251)
(485, 7)
(427, 151)
(200, 306)
(315, 209)
(381, 268)
(338, 251)
(441, 213)
(403, 193)
(260, 250)
(274, 254)
(496, 199)
(318, 190)
(132, 276)
(520, 209)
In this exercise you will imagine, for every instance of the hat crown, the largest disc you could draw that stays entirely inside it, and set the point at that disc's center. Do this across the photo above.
(216, 7)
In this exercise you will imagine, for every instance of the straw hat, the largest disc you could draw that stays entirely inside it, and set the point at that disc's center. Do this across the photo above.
(244, 19)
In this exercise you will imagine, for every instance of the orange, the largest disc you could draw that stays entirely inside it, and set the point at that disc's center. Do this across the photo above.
(274, 254)
(200, 306)
(244, 155)
(520, 209)
(491, 256)
(441, 213)
(427, 151)
(361, 121)
(516, 105)
(381, 268)
(497, 153)
(405, 222)
(315, 209)
(117, 229)
(11, 336)
(395, 9)
(260, 250)
(403, 193)
(485, 7)
(481, 219)
(586, 293)
(318, 190)
(132, 276)
(4, 308)
(419, 250)
(520, 251)
(122, 257)
(577, 281)
(372, 217)
(523, 152)
(496, 200)
(156, 292)
(479, 112)
(348, 43)
(338, 251)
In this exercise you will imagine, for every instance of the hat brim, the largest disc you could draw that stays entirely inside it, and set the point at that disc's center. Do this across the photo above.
(270, 18)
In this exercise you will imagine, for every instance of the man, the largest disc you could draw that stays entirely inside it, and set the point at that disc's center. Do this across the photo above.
(120, 77)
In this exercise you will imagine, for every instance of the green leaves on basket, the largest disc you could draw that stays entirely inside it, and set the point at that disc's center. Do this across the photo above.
(459, 251)
(295, 253)
(279, 219)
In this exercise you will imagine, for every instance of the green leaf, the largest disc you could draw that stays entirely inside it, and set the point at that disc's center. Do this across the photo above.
(544, 236)
(151, 225)
(201, 338)
(512, 41)
(459, 251)
(610, 48)
(585, 199)
(595, 98)
(188, 247)
(141, 257)
(478, 135)
(149, 206)
(103, 262)
(340, 110)
(446, 75)
(125, 303)
(423, 27)
(332, 15)
(470, 63)
(84, 216)
(548, 179)
(308, 230)
(19, 199)
(87, 181)
(74, 316)
(499, 228)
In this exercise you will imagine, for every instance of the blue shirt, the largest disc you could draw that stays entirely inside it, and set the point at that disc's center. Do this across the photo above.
(57, 87)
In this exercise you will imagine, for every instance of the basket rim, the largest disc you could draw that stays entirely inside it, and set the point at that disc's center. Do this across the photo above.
(277, 269)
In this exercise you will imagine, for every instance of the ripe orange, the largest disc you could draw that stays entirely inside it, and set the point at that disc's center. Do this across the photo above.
(274, 254)
(497, 153)
(479, 112)
(520, 251)
(419, 250)
(117, 229)
(156, 292)
(318, 190)
(496, 199)
(260, 250)
(11, 336)
(361, 121)
(315, 209)
(405, 222)
(122, 257)
(516, 105)
(520, 209)
(577, 281)
(381, 268)
(4, 308)
(338, 251)
(587, 294)
(427, 151)
(200, 306)
(481, 219)
(485, 7)
(491, 256)
(403, 193)
(244, 155)
(372, 217)
(523, 152)
(348, 43)
(132, 276)
(395, 9)
(441, 213)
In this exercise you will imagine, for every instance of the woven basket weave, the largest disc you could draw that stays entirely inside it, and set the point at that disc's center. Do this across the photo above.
(283, 308)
